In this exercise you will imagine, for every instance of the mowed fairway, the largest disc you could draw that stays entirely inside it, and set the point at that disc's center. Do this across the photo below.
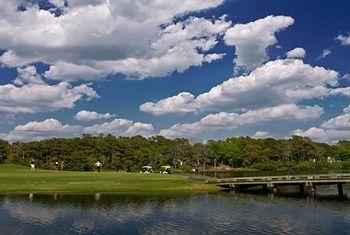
(19, 179)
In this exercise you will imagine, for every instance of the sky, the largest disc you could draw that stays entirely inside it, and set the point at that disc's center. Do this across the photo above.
(198, 69)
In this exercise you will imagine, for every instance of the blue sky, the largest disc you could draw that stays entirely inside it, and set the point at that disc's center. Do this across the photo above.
(126, 66)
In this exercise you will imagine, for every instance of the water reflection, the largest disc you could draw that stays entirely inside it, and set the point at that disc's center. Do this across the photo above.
(219, 213)
(320, 192)
(97, 196)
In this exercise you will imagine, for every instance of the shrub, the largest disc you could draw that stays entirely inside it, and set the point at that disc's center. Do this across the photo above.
(265, 166)
(305, 165)
(346, 164)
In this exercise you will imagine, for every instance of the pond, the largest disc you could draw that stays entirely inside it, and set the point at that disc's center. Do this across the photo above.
(208, 213)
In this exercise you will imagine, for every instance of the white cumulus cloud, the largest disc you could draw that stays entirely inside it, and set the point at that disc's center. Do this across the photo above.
(344, 39)
(172, 105)
(224, 120)
(49, 128)
(251, 40)
(331, 130)
(28, 75)
(325, 53)
(347, 109)
(274, 83)
(261, 134)
(85, 115)
(139, 128)
(10, 58)
(33, 98)
(37, 130)
(345, 91)
(29, 93)
(58, 3)
(297, 52)
(122, 127)
(341, 122)
(92, 39)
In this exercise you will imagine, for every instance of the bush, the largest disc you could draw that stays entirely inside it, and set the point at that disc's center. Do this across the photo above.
(265, 166)
(320, 165)
(346, 164)
(305, 165)
(12, 159)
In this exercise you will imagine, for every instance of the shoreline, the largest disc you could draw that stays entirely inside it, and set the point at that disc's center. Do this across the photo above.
(15, 179)
(117, 192)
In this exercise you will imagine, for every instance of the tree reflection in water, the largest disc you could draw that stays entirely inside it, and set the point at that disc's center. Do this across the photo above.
(203, 213)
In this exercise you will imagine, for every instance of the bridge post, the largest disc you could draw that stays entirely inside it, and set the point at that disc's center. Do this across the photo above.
(340, 190)
(271, 187)
(302, 188)
(311, 189)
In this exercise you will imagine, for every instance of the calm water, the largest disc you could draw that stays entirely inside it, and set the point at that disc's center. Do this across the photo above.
(218, 213)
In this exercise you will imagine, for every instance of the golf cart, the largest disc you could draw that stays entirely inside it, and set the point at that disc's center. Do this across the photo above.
(146, 169)
(166, 170)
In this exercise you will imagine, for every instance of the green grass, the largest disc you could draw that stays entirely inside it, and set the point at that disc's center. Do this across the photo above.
(19, 179)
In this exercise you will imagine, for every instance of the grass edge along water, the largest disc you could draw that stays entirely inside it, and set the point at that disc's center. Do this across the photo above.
(19, 179)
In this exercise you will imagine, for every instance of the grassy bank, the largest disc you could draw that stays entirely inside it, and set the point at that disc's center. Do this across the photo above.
(19, 179)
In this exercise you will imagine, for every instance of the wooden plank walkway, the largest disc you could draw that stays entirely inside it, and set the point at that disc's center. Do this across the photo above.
(271, 183)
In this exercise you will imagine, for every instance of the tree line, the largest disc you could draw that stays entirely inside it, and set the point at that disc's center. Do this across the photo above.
(131, 153)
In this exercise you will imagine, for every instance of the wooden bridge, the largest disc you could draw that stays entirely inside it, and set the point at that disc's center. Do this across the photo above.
(306, 183)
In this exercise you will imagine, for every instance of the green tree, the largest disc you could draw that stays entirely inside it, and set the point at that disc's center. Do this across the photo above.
(4, 150)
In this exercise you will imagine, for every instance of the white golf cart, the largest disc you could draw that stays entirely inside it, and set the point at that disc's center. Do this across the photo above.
(146, 169)
(166, 170)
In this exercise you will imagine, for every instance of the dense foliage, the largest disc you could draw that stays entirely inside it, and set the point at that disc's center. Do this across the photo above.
(131, 153)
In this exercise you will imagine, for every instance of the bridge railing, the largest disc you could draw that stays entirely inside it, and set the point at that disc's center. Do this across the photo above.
(281, 178)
